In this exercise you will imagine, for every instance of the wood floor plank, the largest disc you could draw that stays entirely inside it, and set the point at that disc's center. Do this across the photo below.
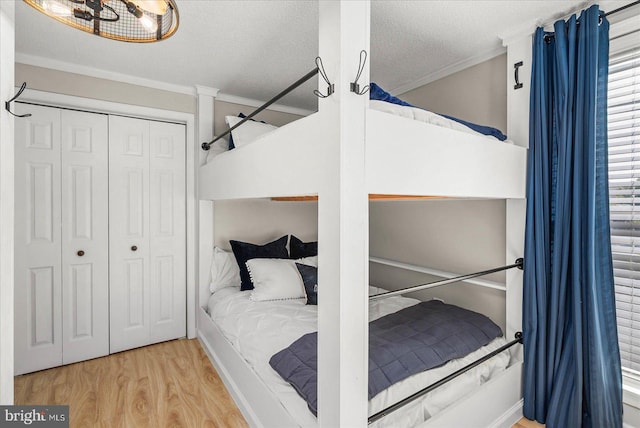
(171, 384)
(526, 423)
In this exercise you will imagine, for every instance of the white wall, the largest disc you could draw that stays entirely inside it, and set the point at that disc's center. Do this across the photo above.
(476, 94)
(450, 235)
(61, 82)
(7, 37)
(630, 416)
(261, 220)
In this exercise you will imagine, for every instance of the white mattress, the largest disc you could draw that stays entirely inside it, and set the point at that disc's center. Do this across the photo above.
(414, 113)
(257, 330)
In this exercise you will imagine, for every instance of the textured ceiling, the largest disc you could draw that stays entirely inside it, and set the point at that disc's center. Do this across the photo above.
(256, 48)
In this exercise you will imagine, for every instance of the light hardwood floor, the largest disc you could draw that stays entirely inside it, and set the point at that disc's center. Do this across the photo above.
(171, 384)
(526, 423)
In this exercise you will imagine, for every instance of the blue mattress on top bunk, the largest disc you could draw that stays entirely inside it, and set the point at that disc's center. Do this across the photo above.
(410, 341)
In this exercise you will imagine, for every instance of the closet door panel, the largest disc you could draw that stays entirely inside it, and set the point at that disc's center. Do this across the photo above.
(85, 237)
(167, 273)
(38, 326)
(129, 232)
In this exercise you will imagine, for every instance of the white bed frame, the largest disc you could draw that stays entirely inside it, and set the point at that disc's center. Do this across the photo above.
(344, 152)
(261, 409)
(443, 162)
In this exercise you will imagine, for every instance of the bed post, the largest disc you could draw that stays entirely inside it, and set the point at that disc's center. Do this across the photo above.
(205, 214)
(518, 87)
(343, 226)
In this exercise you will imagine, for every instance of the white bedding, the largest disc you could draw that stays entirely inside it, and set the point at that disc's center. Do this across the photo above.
(414, 113)
(257, 330)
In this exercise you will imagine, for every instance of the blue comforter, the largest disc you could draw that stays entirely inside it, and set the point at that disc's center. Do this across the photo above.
(410, 341)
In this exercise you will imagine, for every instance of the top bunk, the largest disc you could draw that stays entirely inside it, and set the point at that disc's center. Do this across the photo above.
(404, 156)
(407, 152)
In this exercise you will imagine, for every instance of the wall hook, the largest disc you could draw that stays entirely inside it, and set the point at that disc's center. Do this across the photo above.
(330, 86)
(517, 66)
(354, 86)
(7, 104)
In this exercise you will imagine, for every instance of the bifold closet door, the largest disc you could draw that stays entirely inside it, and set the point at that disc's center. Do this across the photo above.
(85, 236)
(147, 232)
(38, 292)
(61, 296)
(167, 232)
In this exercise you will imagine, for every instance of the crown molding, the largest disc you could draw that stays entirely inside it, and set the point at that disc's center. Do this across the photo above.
(207, 91)
(257, 103)
(67, 67)
(195, 90)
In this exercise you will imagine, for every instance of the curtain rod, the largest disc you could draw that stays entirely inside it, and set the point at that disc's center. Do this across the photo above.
(620, 9)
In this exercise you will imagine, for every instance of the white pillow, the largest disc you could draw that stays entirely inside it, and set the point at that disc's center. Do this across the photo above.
(309, 261)
(224, 270)
(275, 279)
(248, 131)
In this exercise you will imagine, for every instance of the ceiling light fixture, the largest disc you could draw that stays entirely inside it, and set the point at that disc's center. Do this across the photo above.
(124, 20)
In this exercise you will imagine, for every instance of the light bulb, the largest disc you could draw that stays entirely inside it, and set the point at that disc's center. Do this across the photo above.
(157, 7)
(148, 23)
(53, 7)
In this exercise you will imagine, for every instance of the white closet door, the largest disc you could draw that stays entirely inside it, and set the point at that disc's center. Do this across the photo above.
(167, 257)
(38, 329)
(129, 232)
(85, 237)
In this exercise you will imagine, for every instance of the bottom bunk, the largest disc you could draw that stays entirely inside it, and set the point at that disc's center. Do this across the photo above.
(241, 336)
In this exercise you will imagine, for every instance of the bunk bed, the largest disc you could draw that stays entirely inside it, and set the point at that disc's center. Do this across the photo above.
(425, 160)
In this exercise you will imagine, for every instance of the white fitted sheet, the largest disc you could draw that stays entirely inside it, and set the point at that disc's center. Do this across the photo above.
(257, 330)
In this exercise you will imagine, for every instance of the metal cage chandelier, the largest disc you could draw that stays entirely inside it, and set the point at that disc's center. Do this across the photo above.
(140, 21)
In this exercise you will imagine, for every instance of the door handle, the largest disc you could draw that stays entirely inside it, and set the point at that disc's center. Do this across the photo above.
(134, 248)
(80, 253)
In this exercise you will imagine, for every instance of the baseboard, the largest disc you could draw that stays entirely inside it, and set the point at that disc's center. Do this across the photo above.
(510, 417)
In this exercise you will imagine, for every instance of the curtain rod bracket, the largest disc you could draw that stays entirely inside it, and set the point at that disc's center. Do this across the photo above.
(7, 104)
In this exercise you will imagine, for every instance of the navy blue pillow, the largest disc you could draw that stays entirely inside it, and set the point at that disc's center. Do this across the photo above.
(310, 278)
(299, 249)
(244, 251)
(379, 94)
